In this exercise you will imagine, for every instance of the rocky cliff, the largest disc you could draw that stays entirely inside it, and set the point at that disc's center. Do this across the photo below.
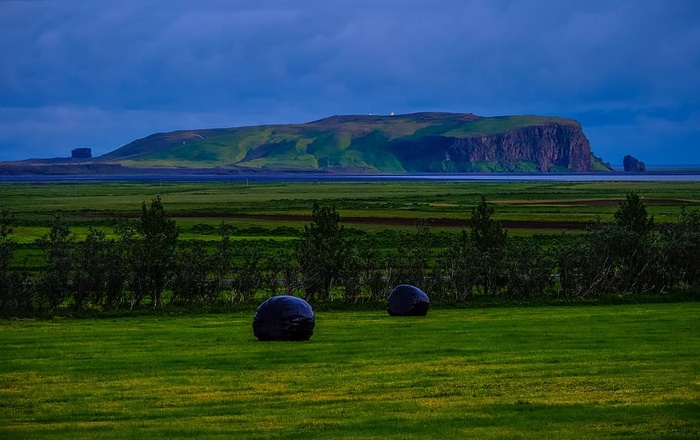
(553, 146)
(631, 163)
(550, 146)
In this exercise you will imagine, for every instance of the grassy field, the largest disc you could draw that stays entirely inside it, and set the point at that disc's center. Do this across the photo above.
(541, 372)
(194, 204)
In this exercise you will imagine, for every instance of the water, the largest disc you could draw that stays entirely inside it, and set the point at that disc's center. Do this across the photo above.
(666, 176)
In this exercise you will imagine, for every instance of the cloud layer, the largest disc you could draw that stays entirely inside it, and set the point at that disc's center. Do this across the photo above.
(102, 74)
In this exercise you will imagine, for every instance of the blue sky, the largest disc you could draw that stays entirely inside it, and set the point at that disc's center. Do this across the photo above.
(101, 74)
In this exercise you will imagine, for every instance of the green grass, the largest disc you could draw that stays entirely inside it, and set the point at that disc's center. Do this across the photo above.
(488, 126)
(541, 372)
(99, 204)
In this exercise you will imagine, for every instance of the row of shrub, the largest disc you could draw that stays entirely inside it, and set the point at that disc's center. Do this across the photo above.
(144, 264)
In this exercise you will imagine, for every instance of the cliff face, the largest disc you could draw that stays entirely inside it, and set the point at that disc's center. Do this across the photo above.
(548, 146)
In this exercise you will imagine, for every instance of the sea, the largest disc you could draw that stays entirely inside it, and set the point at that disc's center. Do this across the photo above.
(665, 173)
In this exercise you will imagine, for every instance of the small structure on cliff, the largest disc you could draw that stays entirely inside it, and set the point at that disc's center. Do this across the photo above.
(81, 153)
(633, 164)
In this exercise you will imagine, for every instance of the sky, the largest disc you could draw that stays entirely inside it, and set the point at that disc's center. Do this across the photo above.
(101, 74)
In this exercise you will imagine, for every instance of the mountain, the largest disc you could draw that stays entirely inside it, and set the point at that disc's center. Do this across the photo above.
(411, 143)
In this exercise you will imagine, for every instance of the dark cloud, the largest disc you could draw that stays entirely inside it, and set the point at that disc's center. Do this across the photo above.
(103, 73)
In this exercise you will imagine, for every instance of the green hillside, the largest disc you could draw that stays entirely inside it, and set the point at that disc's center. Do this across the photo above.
(362, 143)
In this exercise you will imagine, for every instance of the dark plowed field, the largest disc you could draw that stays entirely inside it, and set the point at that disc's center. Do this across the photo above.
(391, 221)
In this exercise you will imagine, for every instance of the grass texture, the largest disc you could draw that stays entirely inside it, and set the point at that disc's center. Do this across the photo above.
(540, 372)
(98, 204)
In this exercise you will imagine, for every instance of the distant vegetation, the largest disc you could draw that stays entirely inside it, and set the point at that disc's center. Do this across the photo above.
(147, 262)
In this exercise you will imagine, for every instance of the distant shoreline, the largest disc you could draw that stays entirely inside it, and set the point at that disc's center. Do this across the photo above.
(667, 175)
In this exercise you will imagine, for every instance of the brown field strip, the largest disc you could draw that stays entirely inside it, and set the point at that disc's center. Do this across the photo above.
(388, 221)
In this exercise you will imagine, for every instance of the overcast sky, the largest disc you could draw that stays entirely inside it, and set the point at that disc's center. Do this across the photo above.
(101, 74)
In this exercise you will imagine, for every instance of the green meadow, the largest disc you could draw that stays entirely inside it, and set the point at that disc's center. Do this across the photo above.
(198, 205)
(513, 372)
(586, 372)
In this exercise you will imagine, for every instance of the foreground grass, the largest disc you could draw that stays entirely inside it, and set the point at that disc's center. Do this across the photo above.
(545, 372)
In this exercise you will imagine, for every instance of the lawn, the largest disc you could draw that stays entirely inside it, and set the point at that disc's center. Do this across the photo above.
(537, 372)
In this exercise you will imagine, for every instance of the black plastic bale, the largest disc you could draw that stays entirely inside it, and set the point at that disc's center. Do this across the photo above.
(408, 300)
(284, 318)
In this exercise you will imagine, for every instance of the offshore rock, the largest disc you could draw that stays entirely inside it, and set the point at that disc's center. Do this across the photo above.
(631, 163)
